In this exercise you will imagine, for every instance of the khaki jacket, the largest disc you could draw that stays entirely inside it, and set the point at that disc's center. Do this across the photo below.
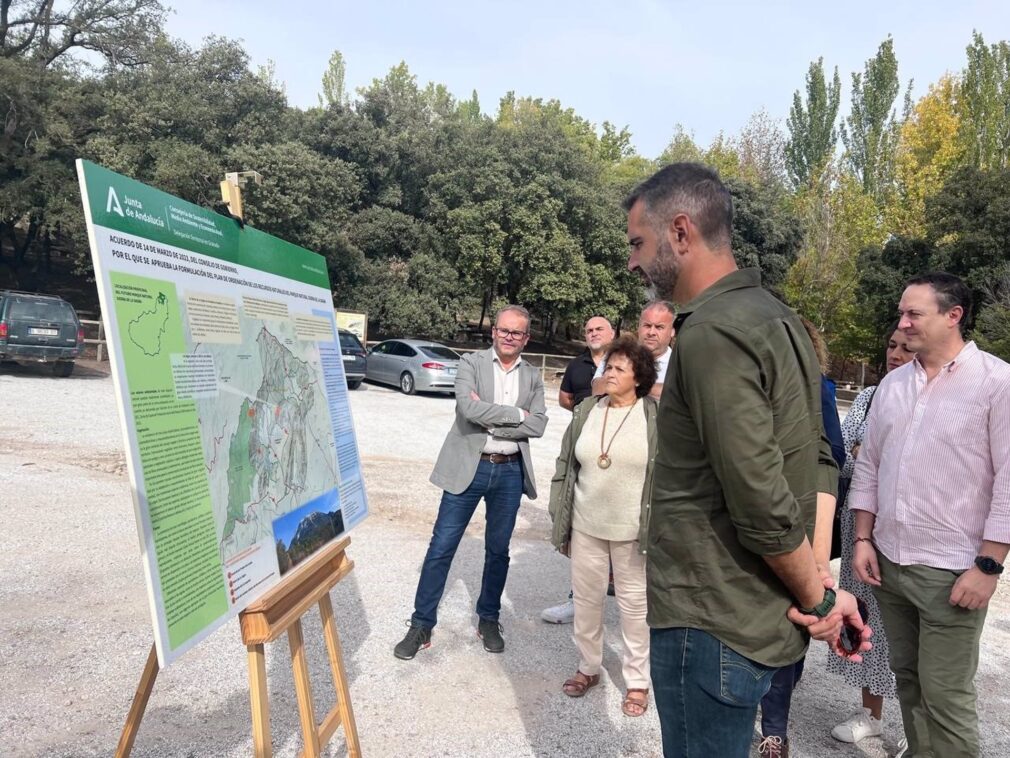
(566, 473)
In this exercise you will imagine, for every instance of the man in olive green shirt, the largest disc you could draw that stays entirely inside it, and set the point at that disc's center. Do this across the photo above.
(741, 459)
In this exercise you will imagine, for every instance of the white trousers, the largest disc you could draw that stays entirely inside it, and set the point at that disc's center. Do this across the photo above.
(591, 560)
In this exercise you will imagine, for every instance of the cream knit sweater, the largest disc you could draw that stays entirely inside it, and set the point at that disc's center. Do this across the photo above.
(608, 502)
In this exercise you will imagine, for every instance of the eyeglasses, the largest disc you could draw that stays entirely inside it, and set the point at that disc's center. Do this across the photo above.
(514, 334)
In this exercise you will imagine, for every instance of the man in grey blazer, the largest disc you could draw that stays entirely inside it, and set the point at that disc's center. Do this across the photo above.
(499, 407)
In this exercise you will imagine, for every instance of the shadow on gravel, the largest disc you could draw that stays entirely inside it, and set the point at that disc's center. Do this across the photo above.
(195, 730)
(82, 370)
(556, 724)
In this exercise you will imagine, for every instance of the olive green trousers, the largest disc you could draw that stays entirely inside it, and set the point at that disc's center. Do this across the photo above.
(934, 655)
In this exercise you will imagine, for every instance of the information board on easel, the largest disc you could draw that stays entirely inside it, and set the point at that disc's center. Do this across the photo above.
(240, 446)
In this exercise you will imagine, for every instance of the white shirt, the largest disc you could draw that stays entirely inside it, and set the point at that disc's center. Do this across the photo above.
(506, 392)
(661, 363)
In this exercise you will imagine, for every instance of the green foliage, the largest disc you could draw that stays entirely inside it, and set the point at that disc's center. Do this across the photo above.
(870, 133)
(44, 31)
(812, 134)
(882, 276)
(334, 91)
(422, 297)
(992, 327)
(431, 213)
(969, 226)
(840, 219)
(767, 233)
(982, 107)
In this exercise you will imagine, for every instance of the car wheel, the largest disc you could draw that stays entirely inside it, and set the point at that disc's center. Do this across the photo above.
(63, 368)
(407, 383)
(353, 384)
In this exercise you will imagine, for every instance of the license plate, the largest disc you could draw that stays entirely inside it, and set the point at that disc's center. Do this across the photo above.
(451, 371)
(44, 332)
(348, 358)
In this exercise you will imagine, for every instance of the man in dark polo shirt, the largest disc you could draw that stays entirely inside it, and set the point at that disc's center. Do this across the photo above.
(576, 386)
(742, 456)
(577, 383)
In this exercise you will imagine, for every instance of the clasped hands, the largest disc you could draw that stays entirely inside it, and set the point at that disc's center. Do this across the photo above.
(829, 629)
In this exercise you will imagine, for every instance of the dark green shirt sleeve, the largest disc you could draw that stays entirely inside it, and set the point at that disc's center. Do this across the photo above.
(722, 371)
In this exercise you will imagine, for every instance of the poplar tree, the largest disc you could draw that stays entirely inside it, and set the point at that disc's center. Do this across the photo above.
(871, 131)
(812, 133)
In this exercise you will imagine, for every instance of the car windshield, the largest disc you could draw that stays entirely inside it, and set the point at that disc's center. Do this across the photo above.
(349, 340)
(42, 310)
(440, 351)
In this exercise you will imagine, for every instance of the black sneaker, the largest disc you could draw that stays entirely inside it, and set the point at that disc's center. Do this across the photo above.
(417, 638)
(490, 631)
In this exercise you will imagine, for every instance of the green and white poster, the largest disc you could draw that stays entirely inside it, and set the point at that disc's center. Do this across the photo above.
(229, 373)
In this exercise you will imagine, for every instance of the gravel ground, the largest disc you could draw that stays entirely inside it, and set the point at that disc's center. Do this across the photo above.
(76, 629)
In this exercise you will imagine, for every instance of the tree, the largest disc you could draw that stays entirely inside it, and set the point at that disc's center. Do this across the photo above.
(871, 134)
(984, 105)
(767, 234)
(334, 92)
(883, 272)
(422, 297)
(42, 31)
(992, 327)
(840, 220)
(812, 134)
(50, 109)
(682, 148)
(761, 145)
(969, 226)
(930, 148)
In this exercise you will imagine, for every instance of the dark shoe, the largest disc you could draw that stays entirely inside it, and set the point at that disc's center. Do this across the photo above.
(774, 747)
(417, 638)
(490, 631)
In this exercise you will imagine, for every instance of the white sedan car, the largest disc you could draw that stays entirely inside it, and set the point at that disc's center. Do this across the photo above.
(413, 365)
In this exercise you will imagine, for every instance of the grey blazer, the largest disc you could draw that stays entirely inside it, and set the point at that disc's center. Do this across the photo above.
(460, 454)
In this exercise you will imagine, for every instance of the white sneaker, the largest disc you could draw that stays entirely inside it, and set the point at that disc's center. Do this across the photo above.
(562, 613)
(861, 724)
(902, 747)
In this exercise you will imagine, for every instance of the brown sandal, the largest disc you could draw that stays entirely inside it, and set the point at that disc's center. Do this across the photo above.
(633, 706)
(579, 684)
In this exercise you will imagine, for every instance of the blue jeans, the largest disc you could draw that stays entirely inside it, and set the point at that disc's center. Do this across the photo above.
(706, 694)
(501, 486)
(775, 705)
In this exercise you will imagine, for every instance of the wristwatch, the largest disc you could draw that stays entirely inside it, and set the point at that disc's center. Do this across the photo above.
(989, 565)
(823, 608)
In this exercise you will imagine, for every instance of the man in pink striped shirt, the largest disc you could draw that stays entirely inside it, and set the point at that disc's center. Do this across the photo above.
(931, 491)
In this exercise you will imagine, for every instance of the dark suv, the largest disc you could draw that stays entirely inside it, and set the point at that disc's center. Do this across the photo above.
(354, 358)
(39, 328)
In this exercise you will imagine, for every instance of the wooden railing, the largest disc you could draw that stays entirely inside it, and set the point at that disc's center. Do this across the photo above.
(99, 341)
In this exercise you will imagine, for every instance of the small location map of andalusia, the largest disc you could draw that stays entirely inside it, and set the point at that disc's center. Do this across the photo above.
(147, 329)
(267, 437)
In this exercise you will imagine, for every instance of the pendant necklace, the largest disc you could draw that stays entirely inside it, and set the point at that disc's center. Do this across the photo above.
(604, 460)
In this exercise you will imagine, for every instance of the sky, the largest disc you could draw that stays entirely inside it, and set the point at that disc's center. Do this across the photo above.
(644, 64)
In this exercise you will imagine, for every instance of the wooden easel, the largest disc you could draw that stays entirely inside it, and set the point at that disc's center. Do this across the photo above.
(280, 610)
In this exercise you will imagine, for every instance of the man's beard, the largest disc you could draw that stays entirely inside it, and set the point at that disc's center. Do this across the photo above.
(662, 273)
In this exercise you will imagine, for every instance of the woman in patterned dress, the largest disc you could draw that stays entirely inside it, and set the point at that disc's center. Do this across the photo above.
(874, 674)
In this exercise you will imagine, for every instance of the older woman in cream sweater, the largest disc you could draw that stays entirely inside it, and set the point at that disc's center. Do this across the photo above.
(599, 506)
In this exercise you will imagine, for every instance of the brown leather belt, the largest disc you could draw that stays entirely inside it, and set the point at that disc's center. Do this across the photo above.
(499, 457)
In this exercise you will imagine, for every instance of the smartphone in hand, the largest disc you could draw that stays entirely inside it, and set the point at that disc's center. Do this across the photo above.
(851, 638)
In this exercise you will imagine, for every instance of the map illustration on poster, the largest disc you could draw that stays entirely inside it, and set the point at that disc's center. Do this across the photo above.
(229, 374)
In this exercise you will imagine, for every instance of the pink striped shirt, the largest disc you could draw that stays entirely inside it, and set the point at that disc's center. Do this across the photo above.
(935, 462)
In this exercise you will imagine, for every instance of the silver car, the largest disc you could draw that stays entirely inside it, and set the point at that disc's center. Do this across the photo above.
(413, 365)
